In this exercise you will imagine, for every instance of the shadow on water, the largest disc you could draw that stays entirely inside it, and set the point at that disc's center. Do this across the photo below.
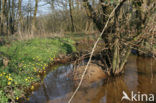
(140, 76)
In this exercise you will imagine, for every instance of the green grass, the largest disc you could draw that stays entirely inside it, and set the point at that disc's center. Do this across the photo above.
(26, 60)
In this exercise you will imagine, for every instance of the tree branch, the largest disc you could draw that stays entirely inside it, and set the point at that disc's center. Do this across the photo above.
(92, 52)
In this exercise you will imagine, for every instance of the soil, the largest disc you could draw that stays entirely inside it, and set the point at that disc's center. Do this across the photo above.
(94, 74)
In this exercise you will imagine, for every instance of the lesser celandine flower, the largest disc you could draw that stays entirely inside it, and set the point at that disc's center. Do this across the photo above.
(7, 77)
(9, 83)
(1, 75)
(32, 87)
(10, 78)
(35, 69)
(17, 98)
(26, 79)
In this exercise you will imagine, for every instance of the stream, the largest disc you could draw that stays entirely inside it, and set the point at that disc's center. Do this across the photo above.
(139, 77)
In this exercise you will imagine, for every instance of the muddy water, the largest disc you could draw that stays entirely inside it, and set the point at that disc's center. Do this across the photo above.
(140, 77)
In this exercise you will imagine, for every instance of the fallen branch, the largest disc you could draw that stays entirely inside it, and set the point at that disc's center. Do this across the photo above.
(93, 49)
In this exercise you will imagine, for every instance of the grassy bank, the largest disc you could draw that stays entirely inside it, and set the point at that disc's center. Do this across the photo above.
(22, 61)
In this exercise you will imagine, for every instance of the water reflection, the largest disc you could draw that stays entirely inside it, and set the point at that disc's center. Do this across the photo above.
(56, 84)
(140, 75)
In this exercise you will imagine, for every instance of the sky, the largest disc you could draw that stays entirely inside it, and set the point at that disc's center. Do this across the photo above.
(42, 8)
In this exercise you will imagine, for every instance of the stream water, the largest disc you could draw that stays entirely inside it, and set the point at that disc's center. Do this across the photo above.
(139, 77)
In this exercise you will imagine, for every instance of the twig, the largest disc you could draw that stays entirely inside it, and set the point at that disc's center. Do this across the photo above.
(93, 49)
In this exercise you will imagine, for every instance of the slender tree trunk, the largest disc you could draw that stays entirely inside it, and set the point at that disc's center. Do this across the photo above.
(77, 4)
(0, 16)
(34, 17)
(20, 15)
(3, 16)
(93, 3)
(71, 16)
(12, 18)
(8, 18)
(87, 26)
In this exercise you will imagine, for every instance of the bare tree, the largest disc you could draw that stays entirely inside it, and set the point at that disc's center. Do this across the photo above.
(71, 16)
(34, 17)
(20, 16)
(3, 15)
(12, 18)
(126, 25)
(0, 16)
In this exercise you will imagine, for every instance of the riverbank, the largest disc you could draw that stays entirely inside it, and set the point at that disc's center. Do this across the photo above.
(21, 63)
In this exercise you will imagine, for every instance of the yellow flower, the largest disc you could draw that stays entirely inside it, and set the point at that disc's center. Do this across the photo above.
(32, 87)
(4, 73)
(51, 59)
(1, 75)
(26, 79)
(7, 77)
(17, 98)
(9, 83)
(10, 78)
(35, 69)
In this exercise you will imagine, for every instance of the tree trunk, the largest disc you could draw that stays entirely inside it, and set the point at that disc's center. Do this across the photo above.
(20, 16)
(8, 18)
(71, 16)
(0, 18)
(120, 32)
(3, 16)
(34, 17)
(77, 4)
(12, 18)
